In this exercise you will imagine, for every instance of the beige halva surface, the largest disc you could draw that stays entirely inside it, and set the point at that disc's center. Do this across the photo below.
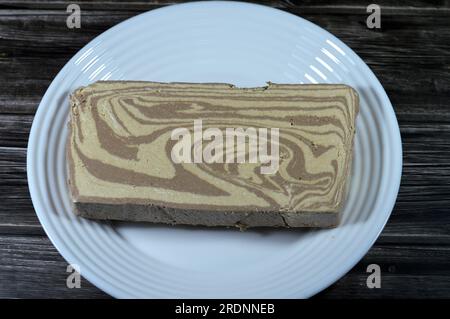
(120, 165)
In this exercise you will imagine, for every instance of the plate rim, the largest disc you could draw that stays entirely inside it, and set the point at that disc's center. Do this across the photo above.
(39, 116)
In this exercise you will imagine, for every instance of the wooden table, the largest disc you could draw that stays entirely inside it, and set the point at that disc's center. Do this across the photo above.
(409, 54)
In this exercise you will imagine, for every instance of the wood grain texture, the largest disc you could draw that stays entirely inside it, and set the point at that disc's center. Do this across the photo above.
(31, 268)
(409, 54)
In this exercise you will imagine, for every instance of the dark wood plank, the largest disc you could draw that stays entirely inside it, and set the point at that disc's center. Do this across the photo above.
(14, 130)
(304, 5)
(406, 272)
(24, 82)
(29, 63)
(13, 166)
(17, 215)
(31, 267)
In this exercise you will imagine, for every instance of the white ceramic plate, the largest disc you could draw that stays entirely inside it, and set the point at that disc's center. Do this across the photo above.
(246, 45)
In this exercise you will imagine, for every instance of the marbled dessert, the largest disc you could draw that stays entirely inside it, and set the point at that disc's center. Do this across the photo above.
(126, 160)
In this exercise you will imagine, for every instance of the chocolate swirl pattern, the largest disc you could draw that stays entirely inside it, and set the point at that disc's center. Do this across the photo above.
(120, 165)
